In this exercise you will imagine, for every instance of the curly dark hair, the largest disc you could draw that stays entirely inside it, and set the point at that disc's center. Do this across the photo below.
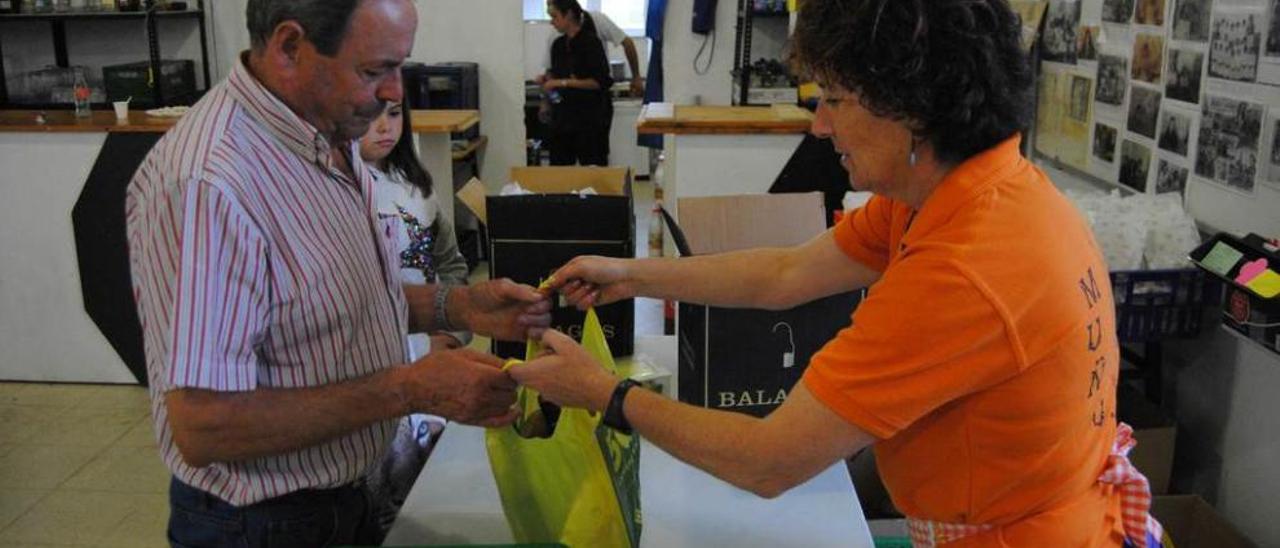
(953, 70)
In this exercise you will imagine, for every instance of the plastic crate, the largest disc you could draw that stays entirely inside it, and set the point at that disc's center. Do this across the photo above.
(1162, 304)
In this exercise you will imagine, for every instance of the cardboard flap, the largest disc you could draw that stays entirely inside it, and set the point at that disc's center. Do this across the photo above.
(472, 195)
(609, 181)
(720, 224)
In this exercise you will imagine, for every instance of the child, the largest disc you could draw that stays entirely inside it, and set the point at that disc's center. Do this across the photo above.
(428, 250)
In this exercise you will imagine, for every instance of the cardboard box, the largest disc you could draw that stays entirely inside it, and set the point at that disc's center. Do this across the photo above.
(1192, 523)
(1156, 434)
(748, 360)
(531, 236)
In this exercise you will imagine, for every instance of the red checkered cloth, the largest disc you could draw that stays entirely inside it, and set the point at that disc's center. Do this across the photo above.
(1141, 530)
(1135, 492)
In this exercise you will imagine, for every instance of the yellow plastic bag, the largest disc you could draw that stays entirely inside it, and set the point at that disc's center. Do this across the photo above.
(580, 486)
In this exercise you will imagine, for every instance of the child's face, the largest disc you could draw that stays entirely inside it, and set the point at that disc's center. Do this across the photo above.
(383, 134)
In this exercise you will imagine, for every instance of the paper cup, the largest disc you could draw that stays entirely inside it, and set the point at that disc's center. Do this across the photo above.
(122, 110)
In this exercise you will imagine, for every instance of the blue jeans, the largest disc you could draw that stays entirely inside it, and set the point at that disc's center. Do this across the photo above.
(303, 519)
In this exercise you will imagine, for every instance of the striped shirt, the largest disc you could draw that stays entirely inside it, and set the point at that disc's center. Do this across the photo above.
(257, 263)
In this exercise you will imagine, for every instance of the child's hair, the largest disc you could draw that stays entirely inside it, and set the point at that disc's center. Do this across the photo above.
(404, 159)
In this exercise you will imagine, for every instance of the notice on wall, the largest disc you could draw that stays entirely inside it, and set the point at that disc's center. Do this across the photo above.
(1062, 129)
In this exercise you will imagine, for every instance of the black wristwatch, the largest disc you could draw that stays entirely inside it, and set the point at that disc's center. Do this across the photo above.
(613, 416)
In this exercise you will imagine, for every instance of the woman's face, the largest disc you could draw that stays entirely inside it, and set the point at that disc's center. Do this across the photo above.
(559, 19)
(383, 134)
(872, 149)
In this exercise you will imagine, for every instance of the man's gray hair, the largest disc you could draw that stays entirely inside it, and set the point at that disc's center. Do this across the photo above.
(325, 21)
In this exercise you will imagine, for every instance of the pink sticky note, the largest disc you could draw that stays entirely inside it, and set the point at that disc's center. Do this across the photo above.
(1251, 270)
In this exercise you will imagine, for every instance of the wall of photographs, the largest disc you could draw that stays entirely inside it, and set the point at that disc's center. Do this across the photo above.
(1168, 96)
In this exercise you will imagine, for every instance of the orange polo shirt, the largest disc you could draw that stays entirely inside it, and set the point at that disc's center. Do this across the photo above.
(984, 358)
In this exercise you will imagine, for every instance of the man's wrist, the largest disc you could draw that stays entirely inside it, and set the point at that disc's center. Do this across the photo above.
(453, 313)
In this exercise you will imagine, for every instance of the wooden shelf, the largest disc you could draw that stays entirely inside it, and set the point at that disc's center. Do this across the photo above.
(713, 120)
(98, 15)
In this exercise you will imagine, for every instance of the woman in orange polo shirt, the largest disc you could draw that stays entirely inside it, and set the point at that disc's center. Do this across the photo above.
(983, 363)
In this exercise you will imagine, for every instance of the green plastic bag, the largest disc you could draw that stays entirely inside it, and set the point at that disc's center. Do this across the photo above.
(580, 486)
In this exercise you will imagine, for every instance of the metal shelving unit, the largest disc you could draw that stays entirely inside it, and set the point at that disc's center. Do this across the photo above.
(149, 16)
(742, 45)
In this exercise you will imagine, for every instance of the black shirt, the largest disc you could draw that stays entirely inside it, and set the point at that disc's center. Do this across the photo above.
(580, 57)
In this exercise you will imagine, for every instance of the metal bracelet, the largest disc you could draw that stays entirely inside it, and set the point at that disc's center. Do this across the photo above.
(442, 314)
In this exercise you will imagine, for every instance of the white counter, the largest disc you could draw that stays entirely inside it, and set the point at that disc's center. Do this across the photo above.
(455, 501)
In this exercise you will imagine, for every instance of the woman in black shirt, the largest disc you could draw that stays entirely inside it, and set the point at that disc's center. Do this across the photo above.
(577, 87)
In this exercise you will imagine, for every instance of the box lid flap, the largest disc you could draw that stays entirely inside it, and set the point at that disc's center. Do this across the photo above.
(563, 180)
(718, 224)
(472, 195)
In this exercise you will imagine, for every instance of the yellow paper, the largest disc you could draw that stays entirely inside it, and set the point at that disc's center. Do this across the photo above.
(1266, 285)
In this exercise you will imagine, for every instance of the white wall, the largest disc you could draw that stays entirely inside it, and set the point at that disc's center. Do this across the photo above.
(683, 85)
(1228, 416)
(491, 33)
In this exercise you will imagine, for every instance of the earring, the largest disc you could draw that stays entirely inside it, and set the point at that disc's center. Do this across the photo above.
(911, 160)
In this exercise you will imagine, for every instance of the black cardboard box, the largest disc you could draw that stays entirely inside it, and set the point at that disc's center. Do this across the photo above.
(530, 236)
(178, 78)
(1251, 315)
(748, 360)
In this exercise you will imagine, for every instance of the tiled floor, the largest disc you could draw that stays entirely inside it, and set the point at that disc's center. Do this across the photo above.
(79, 467)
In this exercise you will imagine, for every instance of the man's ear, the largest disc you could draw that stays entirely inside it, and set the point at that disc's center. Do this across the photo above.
(286, 43)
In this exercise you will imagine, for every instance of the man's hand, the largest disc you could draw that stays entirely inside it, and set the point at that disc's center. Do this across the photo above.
(589, 281)
(567, 376)
(501, 309)
(460, 385)
(637, 87)
(444, 341)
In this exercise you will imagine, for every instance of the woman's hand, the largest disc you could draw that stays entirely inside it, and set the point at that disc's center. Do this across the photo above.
(566, 375)
(589, 281)
(554, 83)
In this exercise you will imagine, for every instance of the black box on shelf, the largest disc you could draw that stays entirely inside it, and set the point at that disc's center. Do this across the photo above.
(741, 359)
(177, 79)
(444, 86)
(532, 235)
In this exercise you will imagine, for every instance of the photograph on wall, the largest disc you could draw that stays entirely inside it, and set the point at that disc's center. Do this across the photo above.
(1104, 143)
(1031, 13)
(1144, 109)
(1233, 51)
(1273, 159)
(1087, 43)
(1273, 30)
(1175, 132)
(1150, 12)
(1078, 109)
(1135, 162)
(1148, 57)
(1182, 79)
(1113, 79)
(1060, 133)
(1117, 11)
(1227, 150)
(1191, 20)
(1061, 22)
(1170, 178)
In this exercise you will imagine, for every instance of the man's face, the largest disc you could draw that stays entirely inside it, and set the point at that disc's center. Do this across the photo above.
(345, 93)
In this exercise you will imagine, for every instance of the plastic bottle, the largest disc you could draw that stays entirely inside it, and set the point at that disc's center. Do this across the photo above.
(655, 230)
(82, 95)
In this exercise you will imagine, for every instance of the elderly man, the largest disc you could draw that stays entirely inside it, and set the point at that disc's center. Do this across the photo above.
(274, 321)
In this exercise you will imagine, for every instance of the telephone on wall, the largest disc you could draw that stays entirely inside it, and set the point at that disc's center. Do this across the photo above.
(704, 16)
